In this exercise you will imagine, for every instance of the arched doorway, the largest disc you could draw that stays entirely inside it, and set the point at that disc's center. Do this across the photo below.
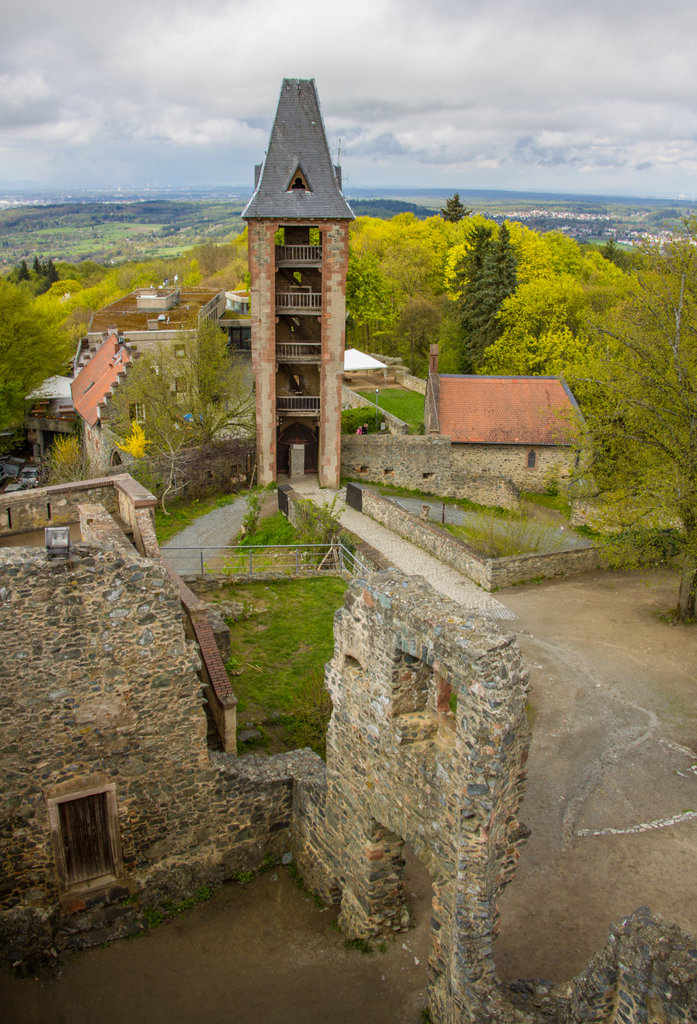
(296, 433)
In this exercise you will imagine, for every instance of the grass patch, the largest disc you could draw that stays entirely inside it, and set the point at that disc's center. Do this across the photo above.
(299, 883)
(557, 502)
(501, 538)
(360, 945)
(390, 491)
(183, 511)
(281, 647)
(405, 405)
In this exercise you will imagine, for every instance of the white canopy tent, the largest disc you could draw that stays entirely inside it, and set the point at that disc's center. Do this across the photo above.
(356, 361)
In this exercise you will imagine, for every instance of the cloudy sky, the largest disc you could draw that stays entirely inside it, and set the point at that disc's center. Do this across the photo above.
(567, 95)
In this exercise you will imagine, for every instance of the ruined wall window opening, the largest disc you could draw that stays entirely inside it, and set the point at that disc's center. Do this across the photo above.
(532, 459)
(85, 837)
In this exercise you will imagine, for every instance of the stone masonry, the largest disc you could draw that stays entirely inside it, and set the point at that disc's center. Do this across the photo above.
(403, 766)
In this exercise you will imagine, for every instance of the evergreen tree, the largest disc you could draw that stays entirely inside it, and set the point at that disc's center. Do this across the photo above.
(23, 274)
(50, 273)
(489, 276)
(454, 210)
(36, 266)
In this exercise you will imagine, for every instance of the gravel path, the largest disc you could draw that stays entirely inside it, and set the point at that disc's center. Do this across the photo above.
(216, 529)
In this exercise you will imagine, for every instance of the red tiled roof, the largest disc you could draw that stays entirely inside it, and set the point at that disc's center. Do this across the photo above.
(97, 377)
(505, 410)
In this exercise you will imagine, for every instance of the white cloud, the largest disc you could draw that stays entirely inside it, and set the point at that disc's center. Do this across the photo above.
(535, 91)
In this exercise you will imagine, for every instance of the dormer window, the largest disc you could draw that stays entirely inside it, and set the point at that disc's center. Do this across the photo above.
(298, 182)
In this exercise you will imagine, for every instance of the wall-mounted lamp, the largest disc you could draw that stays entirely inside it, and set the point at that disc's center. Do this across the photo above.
(57, 541)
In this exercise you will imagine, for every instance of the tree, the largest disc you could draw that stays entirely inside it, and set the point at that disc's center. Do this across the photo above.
(454, 210)
(418, 324)
(32, 347)
(642, 416)
(66, 460)
(184, 394)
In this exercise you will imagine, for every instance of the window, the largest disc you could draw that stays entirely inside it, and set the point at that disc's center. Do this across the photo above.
(136, 411)
(532, 459)
(179, 351)
(85, 835)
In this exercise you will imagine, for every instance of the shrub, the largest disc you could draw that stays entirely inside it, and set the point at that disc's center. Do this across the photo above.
(352, 419)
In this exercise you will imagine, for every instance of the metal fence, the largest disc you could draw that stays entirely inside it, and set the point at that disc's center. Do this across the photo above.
(260, 559)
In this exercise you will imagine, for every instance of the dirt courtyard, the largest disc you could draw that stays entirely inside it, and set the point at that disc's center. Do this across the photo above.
(614, 748)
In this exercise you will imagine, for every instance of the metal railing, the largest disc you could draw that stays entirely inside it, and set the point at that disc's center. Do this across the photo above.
(299, 351)
(299, 300)
(297, 403)
(297, 254)
(257, 559)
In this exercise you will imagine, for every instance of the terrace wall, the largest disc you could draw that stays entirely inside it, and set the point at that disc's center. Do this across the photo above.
(489, 573)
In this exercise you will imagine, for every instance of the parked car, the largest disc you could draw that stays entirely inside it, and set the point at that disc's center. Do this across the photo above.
(29, 476)
(12, 466)
(13, 485)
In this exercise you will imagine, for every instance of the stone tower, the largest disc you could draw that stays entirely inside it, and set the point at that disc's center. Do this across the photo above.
(298, 254)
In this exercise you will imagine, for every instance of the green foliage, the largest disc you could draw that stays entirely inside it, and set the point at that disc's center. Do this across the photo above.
(32, 348)
(299, 882)
(482, 278)
(317, 524)
(243, 877)
(454, 210)
(67, 460)
(503, 536)
(251, 518)
(352, 419)
(641, 406)
(360, 946)
(190, 392)
(311, 710)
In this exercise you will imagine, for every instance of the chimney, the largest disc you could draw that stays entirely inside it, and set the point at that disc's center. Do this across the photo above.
(433, 359)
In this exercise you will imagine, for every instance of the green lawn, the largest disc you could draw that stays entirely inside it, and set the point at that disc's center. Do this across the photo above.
(406, 405)
(279, 650)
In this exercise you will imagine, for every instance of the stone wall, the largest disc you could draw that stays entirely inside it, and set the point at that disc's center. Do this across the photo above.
(34, 509)
(402, 766)
(552, 462)
(645, 974)
(120, 494)
(100, 697)
(411, 383)
(429, 463)
(489, 573)
(352, 400)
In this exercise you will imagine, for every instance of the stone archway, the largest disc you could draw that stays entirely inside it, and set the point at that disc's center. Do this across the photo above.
(297, 433)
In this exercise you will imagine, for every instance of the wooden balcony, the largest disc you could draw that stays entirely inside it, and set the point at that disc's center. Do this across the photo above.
(299, 302)
(298, 255)
(299, 405)
(298, 351)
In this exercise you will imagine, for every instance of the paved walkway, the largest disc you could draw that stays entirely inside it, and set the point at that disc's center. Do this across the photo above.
(408, 557)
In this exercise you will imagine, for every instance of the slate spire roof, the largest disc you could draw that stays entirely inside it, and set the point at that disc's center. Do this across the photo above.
(298, 153)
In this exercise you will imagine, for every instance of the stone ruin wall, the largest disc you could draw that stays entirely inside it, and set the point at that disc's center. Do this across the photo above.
(451, 787)
(401, 766)
(101, 670)
(99, 688)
